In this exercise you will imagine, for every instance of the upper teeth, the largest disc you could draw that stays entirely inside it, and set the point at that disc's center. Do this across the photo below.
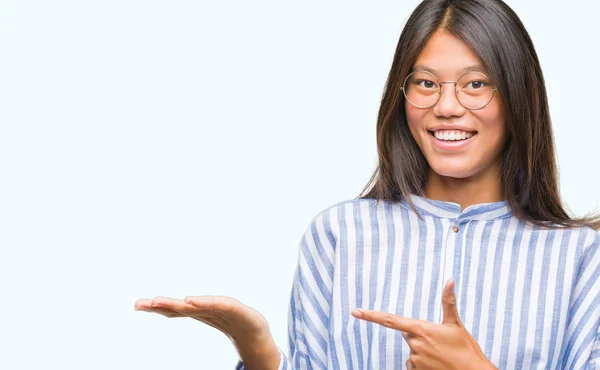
(452, 134)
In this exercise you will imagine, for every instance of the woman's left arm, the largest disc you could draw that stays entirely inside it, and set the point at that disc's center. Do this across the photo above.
(594, 360)
(581, 346)
(435, 346)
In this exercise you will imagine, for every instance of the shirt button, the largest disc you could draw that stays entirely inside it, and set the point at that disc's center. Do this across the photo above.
(455, 228)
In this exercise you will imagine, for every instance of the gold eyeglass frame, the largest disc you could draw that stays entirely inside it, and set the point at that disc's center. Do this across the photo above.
(440, 89)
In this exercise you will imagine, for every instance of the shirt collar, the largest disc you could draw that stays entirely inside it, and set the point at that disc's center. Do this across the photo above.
(439, 208)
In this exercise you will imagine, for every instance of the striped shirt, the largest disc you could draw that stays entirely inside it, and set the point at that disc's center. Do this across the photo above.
(529, 296)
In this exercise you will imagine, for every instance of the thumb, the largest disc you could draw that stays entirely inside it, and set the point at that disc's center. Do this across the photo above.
(449, 305)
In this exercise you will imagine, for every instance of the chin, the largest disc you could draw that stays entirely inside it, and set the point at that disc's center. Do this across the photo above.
(454, 171)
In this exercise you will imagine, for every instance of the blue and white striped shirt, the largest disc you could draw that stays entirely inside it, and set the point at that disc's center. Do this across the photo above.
(529, 296)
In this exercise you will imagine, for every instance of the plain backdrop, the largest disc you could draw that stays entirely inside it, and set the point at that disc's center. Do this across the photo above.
(182, 147)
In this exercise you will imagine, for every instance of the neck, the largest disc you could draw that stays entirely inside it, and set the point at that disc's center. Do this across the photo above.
(483, 188)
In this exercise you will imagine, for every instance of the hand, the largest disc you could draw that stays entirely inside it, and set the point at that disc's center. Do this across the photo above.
(435, 346)
(246, 327)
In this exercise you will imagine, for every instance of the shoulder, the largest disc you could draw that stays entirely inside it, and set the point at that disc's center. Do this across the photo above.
(352, 211)
(341, 207)
(591, 242)
(583, 238)
(593, 236)
(342, 217)
(583, 235)
(346, 219)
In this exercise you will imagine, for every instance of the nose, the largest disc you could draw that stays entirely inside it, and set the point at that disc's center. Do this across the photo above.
(448, 104)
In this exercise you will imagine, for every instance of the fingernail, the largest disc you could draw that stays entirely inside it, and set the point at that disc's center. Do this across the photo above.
(357, 313)
(450, 282)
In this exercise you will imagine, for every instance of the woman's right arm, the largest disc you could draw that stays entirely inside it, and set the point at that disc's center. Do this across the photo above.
(308, 316)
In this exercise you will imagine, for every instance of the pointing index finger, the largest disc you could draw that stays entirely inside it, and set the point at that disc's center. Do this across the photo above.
(411, 326)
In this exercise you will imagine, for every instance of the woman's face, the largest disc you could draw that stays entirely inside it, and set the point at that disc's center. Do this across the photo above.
(476, 156)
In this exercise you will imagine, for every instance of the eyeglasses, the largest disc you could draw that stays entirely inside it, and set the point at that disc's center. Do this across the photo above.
(474, 90)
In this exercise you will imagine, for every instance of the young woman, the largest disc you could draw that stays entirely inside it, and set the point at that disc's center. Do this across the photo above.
(463, 209)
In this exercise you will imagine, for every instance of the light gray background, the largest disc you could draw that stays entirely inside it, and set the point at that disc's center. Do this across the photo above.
(182, 147)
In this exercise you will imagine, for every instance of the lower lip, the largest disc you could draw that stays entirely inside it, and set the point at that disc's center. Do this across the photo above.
(451, 145)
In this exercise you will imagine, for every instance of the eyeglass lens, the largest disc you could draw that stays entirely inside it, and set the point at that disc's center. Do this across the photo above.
(474, 90)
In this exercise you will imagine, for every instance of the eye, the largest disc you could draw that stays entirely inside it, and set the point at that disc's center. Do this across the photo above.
(477, 84)
(427, 84)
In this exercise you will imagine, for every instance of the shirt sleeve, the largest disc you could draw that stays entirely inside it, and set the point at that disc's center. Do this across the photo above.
(581, 348)
(310, 300)
(594, 360)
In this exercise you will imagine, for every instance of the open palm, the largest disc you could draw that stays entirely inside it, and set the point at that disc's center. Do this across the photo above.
(246, 327)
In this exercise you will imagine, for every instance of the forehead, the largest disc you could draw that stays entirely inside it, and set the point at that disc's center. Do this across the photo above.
(446, 56)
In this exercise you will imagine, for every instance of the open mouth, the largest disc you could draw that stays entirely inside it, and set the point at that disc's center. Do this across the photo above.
(452, 135)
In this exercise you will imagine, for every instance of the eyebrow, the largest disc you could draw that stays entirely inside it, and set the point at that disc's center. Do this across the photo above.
(474, 68)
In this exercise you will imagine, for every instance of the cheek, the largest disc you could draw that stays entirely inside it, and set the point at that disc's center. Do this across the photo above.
(493, 127)
(416, 120)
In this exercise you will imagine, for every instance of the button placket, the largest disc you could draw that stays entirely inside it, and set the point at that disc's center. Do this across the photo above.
(448, 256)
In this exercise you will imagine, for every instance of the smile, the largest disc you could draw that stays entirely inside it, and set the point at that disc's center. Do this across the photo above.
(453, 135)
(452, 141)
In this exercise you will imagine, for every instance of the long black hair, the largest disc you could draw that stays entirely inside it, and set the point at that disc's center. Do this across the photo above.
(528, 165)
